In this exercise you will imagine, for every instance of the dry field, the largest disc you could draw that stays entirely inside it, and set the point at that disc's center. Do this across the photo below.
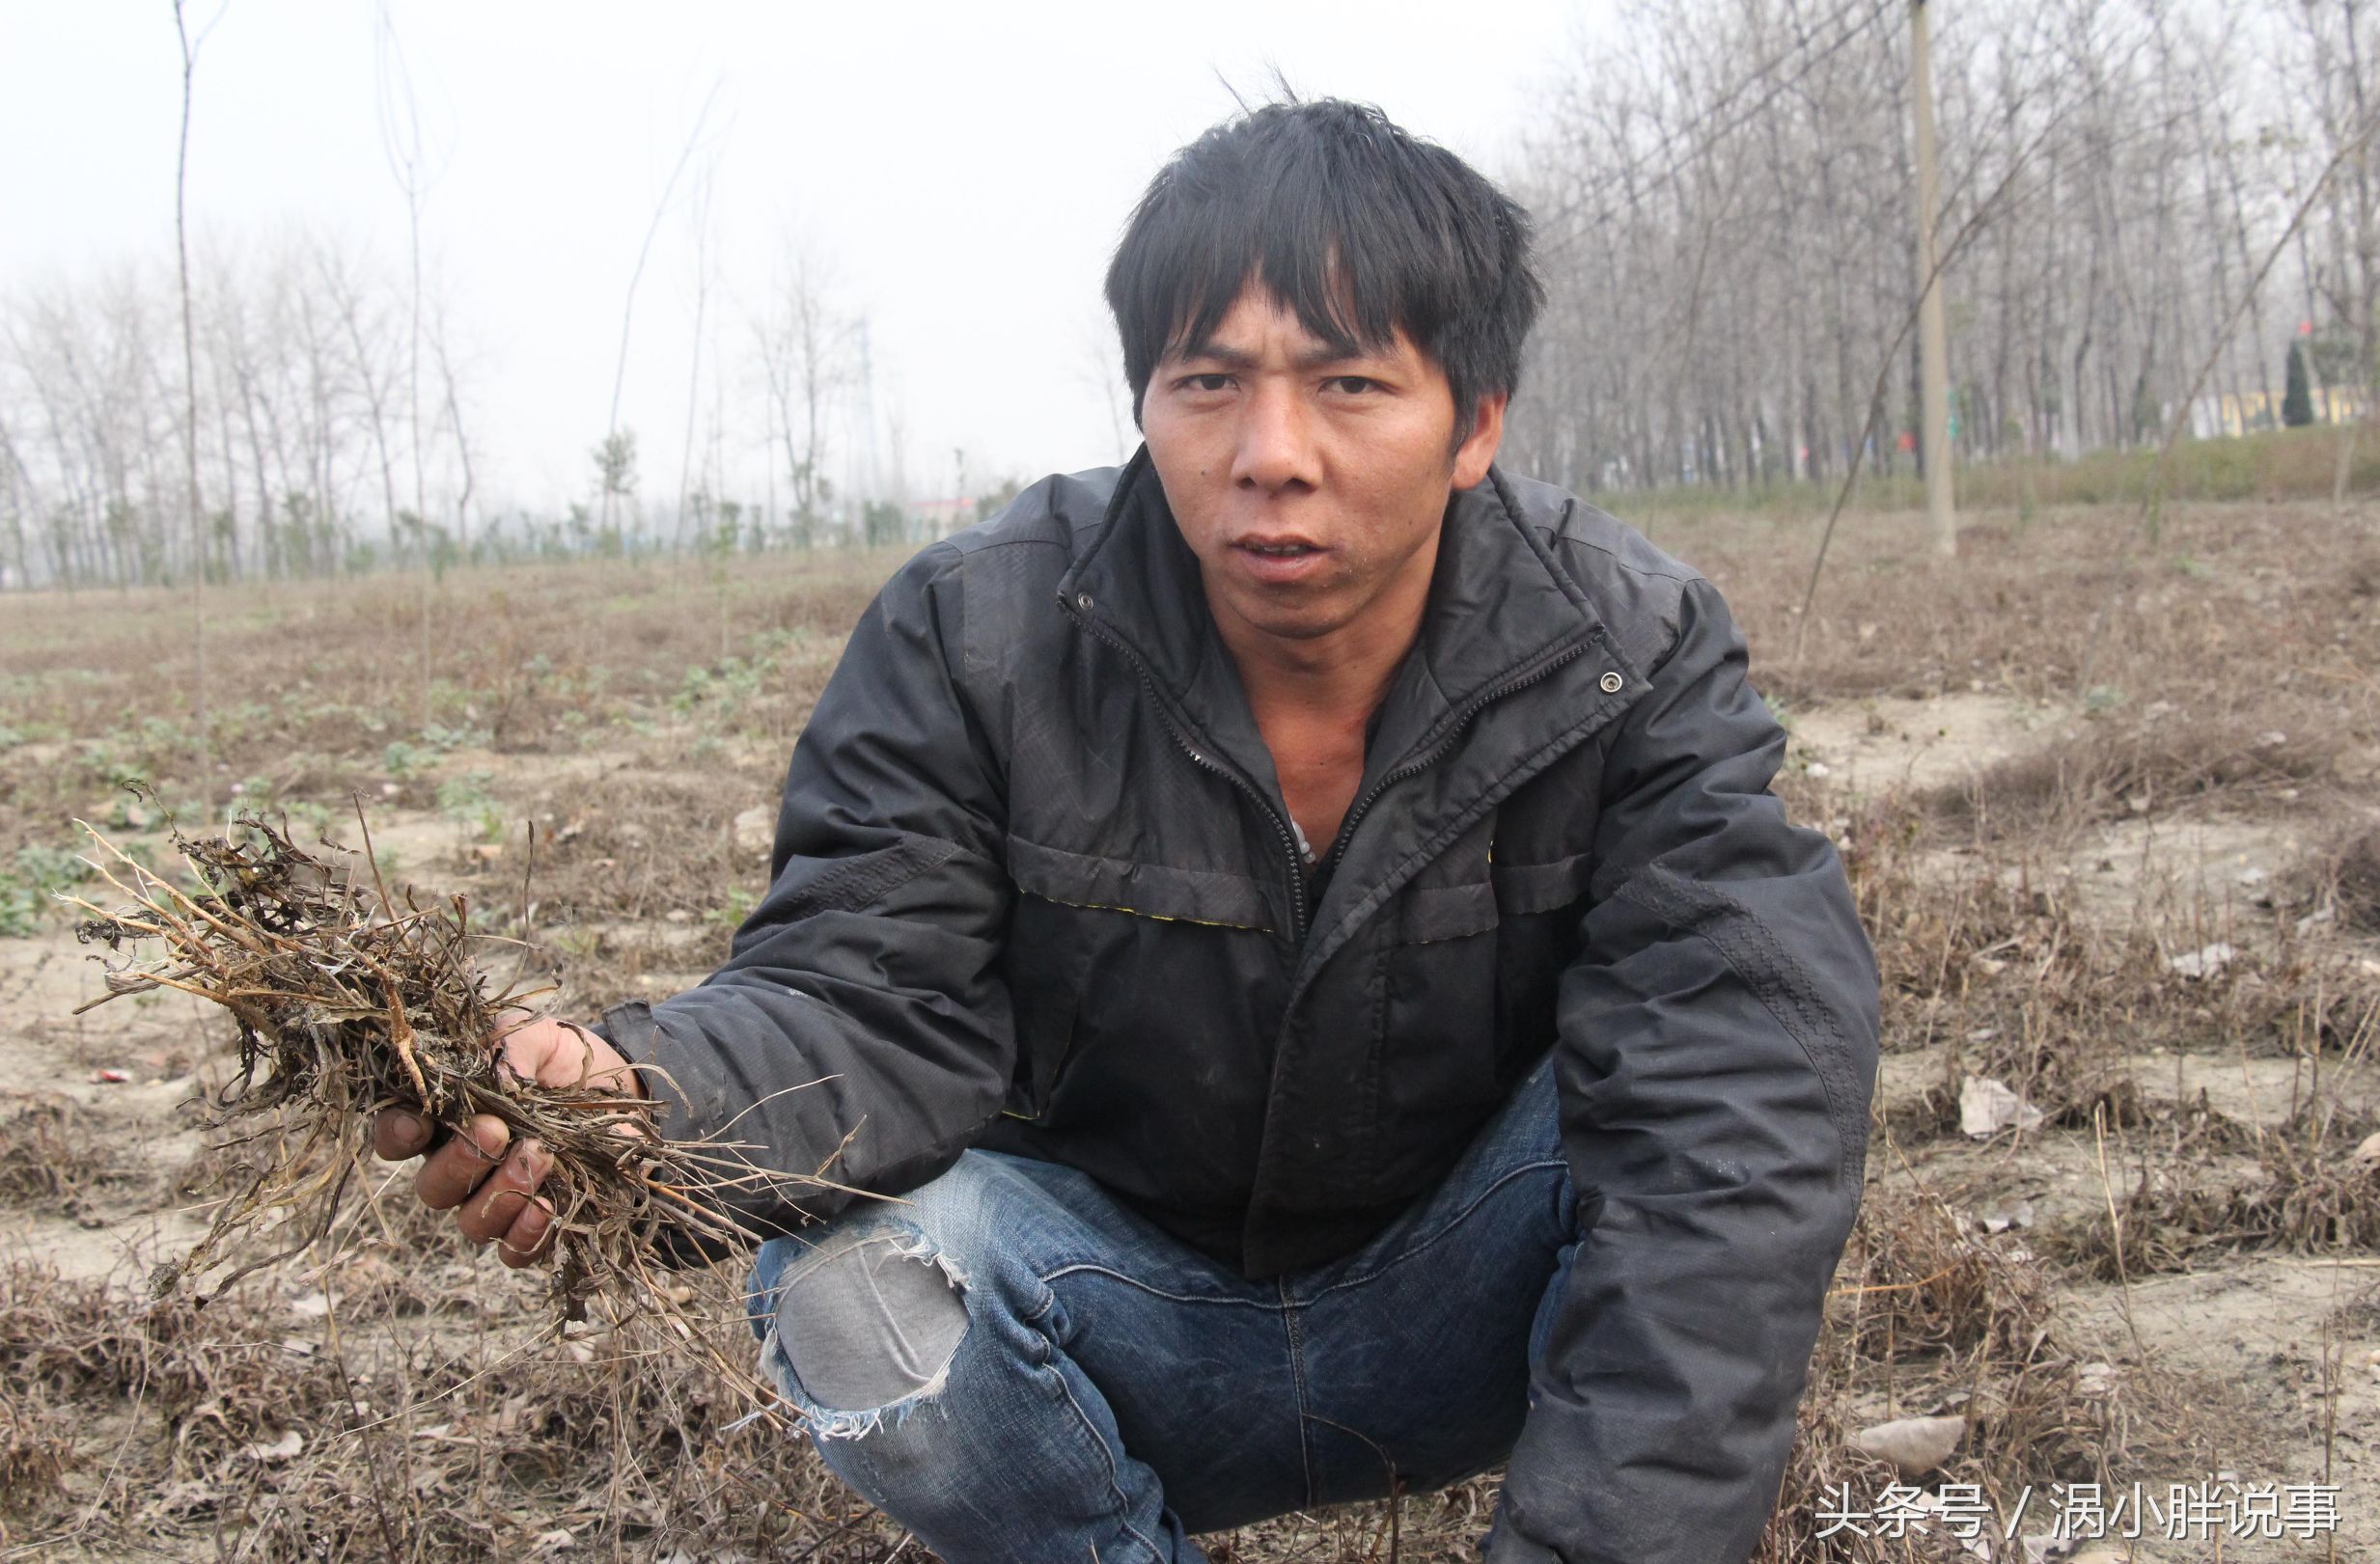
(2113, 813)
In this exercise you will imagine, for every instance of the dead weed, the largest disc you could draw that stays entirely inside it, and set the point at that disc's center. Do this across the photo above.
(53, 1157)
(2299, 1194)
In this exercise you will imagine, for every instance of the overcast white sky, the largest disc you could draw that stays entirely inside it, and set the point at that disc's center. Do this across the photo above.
(965, 168)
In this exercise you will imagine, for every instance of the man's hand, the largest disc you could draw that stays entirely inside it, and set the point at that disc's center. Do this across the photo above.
(488, 1182)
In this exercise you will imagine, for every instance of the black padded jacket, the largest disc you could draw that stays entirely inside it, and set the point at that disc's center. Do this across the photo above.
(1034, 889)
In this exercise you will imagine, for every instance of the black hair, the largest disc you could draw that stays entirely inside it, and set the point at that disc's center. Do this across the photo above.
(1358, 226)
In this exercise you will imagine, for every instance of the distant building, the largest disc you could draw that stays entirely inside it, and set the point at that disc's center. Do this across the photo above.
(2246, 411)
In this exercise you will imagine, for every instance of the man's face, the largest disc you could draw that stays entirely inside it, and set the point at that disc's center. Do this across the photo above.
(1309, 481)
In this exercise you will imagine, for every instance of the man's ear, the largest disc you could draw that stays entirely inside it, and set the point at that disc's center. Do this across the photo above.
(1478, 447)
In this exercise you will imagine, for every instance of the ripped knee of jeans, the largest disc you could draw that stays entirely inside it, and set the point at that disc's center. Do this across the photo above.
(870, 1331)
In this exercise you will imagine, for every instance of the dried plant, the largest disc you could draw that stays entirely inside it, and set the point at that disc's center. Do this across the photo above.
(347, 1003)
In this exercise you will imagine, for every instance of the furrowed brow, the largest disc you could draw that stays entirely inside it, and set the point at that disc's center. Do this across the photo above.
(1214, 353)
(1331, 355)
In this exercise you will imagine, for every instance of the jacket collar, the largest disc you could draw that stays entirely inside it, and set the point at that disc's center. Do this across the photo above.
(1499, 606)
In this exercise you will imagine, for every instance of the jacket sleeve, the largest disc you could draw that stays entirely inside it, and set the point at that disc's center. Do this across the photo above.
(860, 1027)
(1716, 1053)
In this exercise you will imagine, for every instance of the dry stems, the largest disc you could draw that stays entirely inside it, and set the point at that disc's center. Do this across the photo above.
(346, 1006)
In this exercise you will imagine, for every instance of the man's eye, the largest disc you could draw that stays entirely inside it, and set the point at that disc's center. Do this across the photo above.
(1206, 382)
(1353, 385)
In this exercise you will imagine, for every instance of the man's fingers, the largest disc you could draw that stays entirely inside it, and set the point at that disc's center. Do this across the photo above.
(479, 1175)
(492, 1208)
(456, 1169)
(524, 1242)
(396, 1135)
(563, 1054)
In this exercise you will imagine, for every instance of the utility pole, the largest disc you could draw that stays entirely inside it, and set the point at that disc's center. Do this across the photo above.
(1933, 335)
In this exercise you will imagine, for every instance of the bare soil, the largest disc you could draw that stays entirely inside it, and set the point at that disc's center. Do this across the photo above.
(2110, 809)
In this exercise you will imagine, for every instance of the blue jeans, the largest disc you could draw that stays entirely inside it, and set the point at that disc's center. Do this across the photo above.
(1014, 1367)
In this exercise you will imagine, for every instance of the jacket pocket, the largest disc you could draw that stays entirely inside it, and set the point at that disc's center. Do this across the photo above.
(1047, 961)
(1086, 936)
(1143, 889)
(1523, 889)
(1542, 906)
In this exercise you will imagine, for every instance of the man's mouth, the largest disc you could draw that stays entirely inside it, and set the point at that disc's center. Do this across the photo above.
(1277, 562)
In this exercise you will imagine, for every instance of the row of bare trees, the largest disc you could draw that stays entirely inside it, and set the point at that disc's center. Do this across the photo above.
(321, 438)
(334, 437)
(319, 402)
(1725, 194)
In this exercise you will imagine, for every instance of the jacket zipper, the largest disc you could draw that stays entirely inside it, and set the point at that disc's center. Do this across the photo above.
(1200, 757)
(1454, 731)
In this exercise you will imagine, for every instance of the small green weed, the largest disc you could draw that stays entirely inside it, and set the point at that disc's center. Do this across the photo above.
(401, 758)
(734, 908)
(467, 798)
(103, 764)
(26, 882)
(440, 738)
(724, 688)
(131, 811)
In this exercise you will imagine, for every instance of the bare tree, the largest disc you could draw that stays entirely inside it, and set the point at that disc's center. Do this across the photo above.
(189, 435)
(372, 356)
(400, 142)
(1722, 194)
(805, 346)
(1722, 189)
(700, 218)
(696, 139)
(18, 500)
(453, 416)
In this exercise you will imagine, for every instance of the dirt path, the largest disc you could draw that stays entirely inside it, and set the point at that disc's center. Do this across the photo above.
(1891, 743)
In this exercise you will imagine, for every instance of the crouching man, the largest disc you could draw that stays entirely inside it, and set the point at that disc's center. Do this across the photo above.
(1302, 921)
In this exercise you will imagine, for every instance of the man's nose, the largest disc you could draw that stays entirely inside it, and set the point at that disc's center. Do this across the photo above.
(1276, 440)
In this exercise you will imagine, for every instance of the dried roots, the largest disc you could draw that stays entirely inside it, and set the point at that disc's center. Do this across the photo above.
(348, 1003)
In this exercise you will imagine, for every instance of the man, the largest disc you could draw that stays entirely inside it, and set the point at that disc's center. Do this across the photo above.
(1302, 923)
